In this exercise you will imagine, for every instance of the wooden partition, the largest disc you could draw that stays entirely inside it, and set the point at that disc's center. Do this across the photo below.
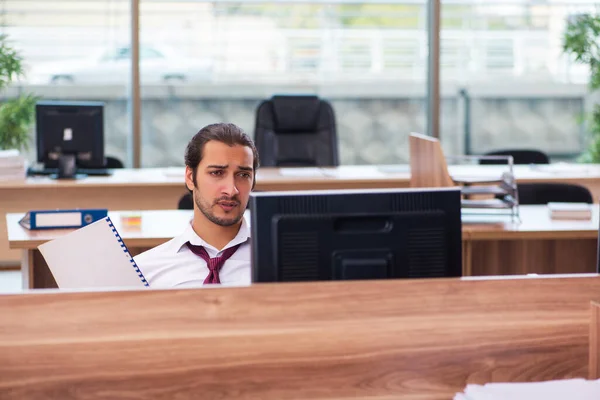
(594, 353)
(418, 339)
(427, 162)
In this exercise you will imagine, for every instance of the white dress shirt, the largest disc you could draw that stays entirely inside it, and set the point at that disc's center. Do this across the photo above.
(173, 263)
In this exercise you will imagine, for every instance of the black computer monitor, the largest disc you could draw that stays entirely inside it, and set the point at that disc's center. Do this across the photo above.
(356, 234)
(70, 129)
(598, 252)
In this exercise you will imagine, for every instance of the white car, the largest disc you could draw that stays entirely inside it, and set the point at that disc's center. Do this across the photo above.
(113, 67)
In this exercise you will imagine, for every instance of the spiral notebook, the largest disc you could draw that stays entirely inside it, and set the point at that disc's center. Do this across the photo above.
(91, 257)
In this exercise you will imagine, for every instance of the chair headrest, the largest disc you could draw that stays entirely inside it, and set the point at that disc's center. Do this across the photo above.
(296, 114)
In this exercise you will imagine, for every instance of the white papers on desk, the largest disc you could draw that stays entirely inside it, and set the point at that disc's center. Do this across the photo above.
(562, 168)
(394, 169)
(570, 389)
(301, 171)
(12, 165)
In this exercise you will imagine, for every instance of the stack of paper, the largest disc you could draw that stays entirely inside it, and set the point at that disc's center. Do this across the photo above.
(570, 211)
(570, 389)
(12, 165)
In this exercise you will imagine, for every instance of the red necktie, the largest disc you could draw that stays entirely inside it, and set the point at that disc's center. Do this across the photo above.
(214, 264)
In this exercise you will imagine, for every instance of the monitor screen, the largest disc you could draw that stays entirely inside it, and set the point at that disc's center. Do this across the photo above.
(356, 234)
(75, 128)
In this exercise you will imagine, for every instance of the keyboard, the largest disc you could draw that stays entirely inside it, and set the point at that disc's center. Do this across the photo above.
(54, 171)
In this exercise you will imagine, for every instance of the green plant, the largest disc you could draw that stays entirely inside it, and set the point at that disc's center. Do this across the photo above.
(581, 40)
(16, 115)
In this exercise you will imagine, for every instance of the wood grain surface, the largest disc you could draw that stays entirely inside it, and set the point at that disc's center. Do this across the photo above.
(419, 339)
(525, 256)
(594, 347)
(428, 166)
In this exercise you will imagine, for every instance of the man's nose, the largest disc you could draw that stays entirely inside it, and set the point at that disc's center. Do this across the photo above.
(231, 189)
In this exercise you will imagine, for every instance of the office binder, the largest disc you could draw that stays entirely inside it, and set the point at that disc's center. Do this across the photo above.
(91, 257)
(59, 219)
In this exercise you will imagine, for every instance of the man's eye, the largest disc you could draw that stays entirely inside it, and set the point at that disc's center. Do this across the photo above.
(245, 175)
(216, 173)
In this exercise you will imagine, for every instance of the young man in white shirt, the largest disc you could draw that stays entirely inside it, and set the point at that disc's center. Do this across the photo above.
(221, 162)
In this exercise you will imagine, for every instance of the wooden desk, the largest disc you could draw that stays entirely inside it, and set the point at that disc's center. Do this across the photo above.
(161, 188)
(415, 340)
(537, 245)
(594, 347)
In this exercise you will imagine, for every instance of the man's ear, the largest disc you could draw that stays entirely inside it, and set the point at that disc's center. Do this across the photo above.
(189, 178)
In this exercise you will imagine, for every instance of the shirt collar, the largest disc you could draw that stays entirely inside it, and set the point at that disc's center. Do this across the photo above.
(189, 235)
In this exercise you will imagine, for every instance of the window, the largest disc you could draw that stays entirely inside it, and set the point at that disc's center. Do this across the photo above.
(505, 81)
(369, 59)
(65, 45)
(518, 89)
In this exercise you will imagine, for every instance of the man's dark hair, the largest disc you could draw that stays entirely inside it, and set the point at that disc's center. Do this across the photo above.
(227, 133)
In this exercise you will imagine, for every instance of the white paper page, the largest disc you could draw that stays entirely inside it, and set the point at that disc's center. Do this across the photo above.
(571, 389)
(90, 257)
(9, 153)
(561, 167)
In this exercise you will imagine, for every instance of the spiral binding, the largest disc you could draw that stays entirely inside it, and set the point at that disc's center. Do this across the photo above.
(126, 251)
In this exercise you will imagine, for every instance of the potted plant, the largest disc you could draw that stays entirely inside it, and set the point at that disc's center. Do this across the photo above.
(582, 40)
(16, 115)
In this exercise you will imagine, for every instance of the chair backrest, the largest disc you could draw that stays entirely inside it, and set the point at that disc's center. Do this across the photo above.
(598, 272)
(186, 202)
(519, 157)
(428, 167)
(296, 131)
(112, 162)
(544, 193)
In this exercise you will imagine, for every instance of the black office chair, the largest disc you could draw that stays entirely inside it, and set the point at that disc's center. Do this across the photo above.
(186, 202)
(296, 131)
(519, 157)
(544, 193)
(112, 162)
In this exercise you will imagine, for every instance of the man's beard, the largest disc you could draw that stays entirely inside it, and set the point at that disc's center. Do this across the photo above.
(206, 209)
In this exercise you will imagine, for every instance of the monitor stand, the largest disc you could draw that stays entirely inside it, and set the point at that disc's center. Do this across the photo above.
(67, 168)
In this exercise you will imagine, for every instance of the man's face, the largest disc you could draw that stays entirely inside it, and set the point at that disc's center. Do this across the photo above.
(224, 180)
